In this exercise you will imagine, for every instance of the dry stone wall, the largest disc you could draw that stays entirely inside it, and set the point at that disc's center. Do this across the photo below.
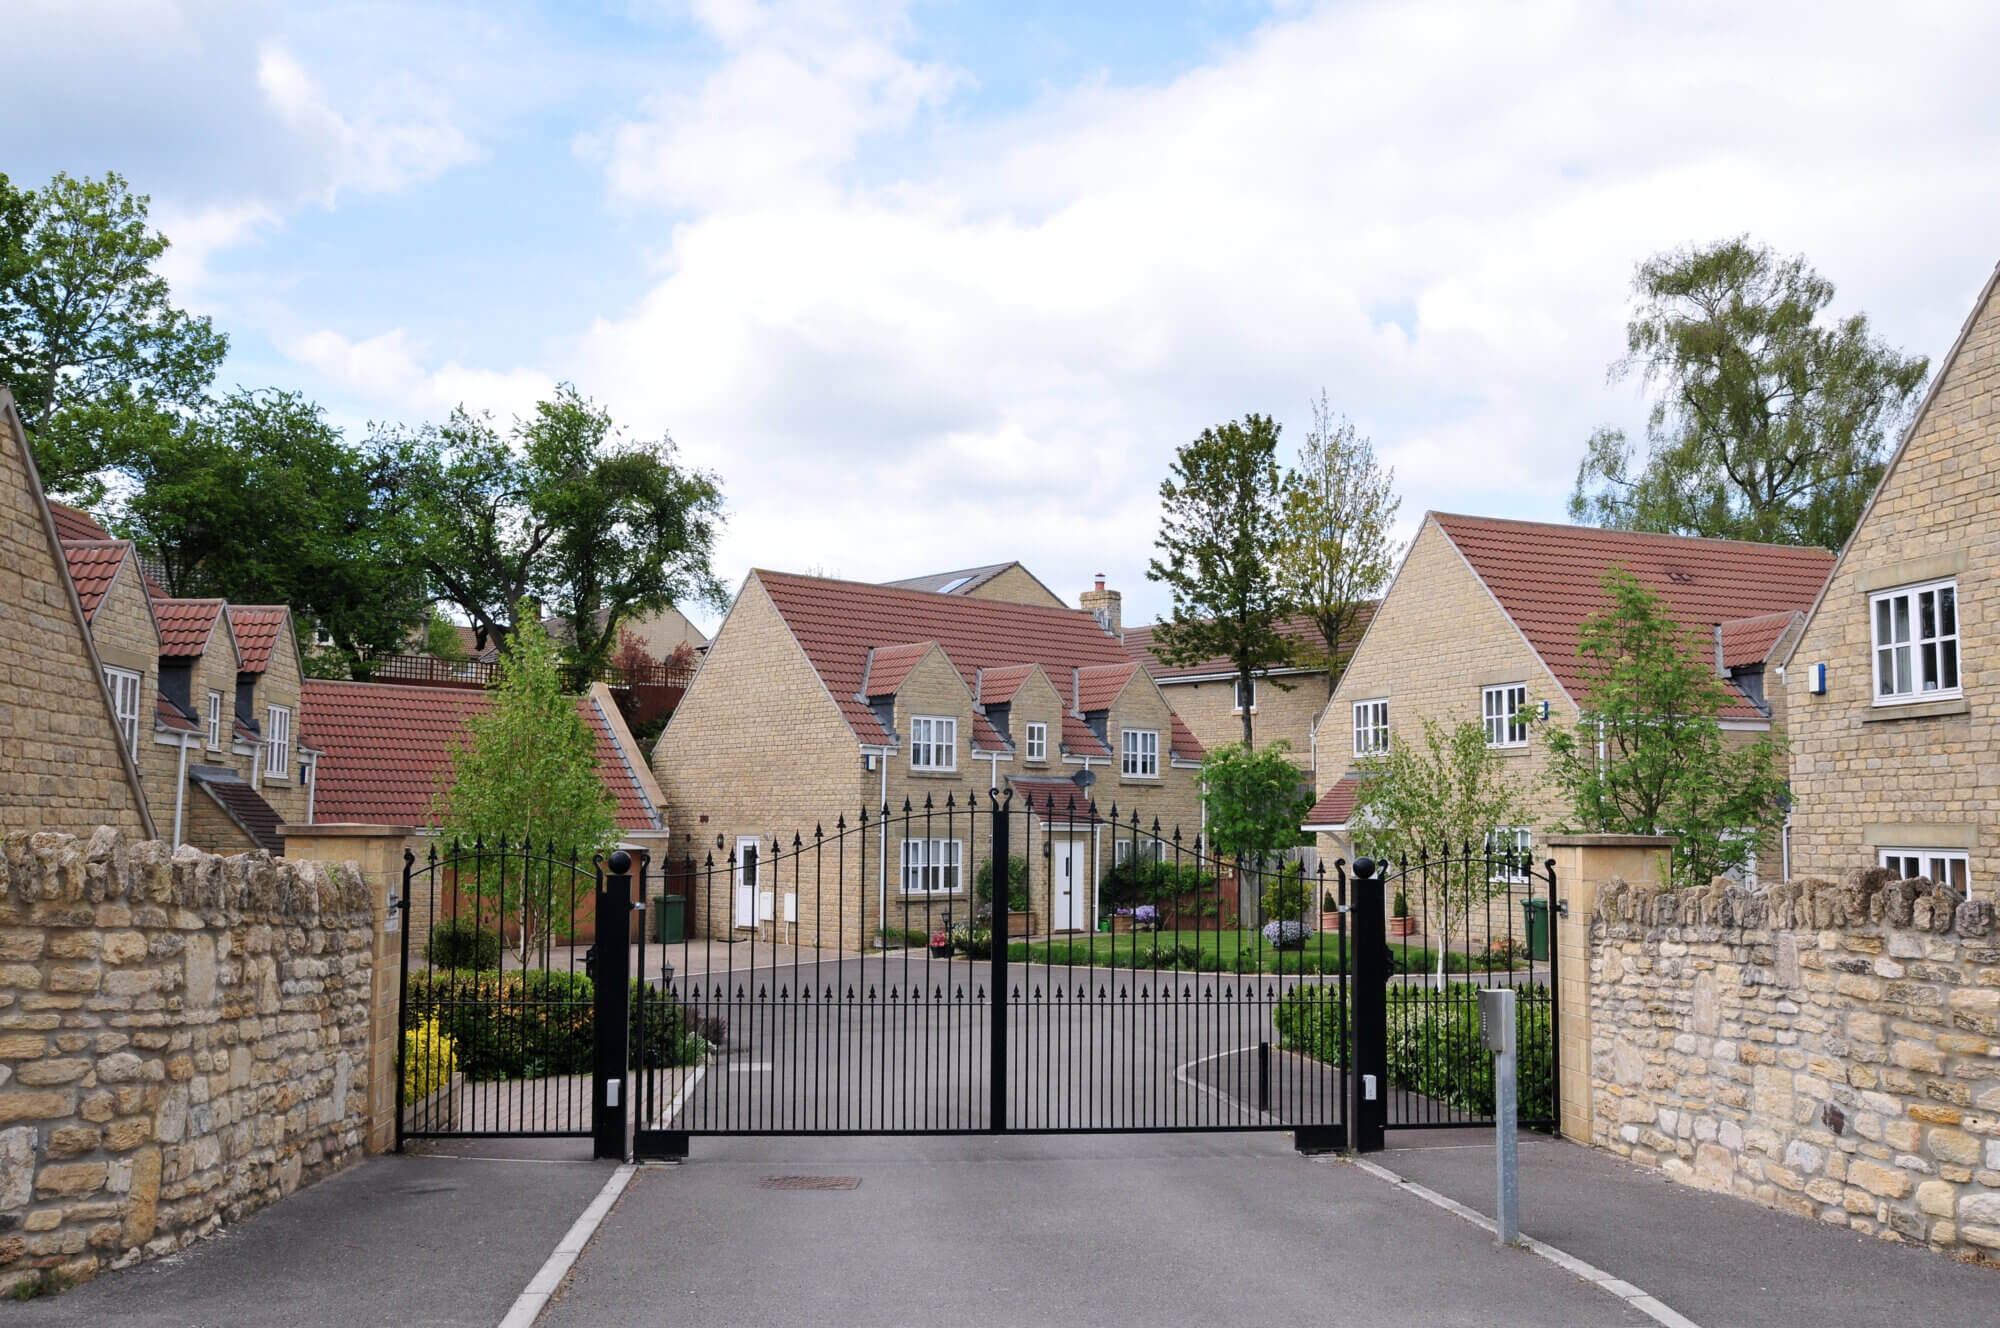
(183, 1039)
(1829, 1049)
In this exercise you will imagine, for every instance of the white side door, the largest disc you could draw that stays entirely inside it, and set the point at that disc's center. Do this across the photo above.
(746, 881)
(1066, 889)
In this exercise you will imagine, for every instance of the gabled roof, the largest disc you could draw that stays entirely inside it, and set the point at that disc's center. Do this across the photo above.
(986, 738)
(1747, 641)
(1335, 805)
(1299, 628)
(1186, 747)
(962, 582)
(242, 804)
(257, 628)
(887, 666)
(93, 566)
(1079, 739)
(1547, 578)
(167, 715)
(837, 624)
(1098, 685)
(998, 686)
(73, 523)
(386, 750)
(186, 624)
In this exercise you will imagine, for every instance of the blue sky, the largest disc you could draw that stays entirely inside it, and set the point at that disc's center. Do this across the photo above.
(939, 283)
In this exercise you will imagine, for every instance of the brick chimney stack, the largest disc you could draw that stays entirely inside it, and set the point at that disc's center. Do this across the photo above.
(1103, 605)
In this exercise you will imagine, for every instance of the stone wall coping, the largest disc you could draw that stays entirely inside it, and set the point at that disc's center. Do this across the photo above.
(1611, 841)
(351, 830)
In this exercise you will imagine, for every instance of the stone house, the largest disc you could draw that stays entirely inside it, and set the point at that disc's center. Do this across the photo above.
(385, 757)
(1482, 621)
(1890, 687)
(820, 700)
(206, 695)
(1285, 702)
(1010, 582)
(65, 764)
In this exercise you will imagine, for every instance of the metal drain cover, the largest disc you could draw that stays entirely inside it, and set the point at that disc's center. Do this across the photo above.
(808, 1182)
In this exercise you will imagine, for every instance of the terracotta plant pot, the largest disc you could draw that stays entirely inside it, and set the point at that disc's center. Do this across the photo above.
(1121, 925)
(1402, 926)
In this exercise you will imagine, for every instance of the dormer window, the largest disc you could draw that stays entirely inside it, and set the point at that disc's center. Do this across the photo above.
(1038, 742)
(933, 742)
(1140, 754)
(278, 739)
(215, 721)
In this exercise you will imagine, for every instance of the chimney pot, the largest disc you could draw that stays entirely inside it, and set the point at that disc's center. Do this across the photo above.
(1100, 580)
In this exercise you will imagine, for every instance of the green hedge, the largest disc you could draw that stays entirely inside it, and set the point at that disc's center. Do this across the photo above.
(1434, 1044)
(1136, 881)
(537, 1024)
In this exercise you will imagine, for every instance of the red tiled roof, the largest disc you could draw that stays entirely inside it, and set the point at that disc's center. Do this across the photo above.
(997, 686)
(1139, 643)
(75, 524)
(1079, 739)
(1186, 747)
(93, 564)
(986, 738)
(386, 750)
(889, 665)
(257, 627)
(243, 804)
(1098, 686)
(1547, 578)
(185, 624)
(1336, 804)
(1749, 640)
(167, 715)
(837, 621)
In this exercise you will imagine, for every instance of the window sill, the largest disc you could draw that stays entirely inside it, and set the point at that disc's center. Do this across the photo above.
(1509, 749)
(1886, 713)
(908, 895)
(941, 772)
(1137, 779)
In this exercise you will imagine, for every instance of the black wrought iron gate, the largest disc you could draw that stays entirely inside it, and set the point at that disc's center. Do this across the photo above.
(863, 981)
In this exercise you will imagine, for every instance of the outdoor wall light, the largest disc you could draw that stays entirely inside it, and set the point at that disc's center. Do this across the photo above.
(718, 840)
(1816, 680)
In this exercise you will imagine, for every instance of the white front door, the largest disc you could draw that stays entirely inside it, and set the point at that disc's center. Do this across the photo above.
(746, 881)
(1067, 896)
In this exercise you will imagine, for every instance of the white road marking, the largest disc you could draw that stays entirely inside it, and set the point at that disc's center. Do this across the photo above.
(535, 1296)
(1650, 1306)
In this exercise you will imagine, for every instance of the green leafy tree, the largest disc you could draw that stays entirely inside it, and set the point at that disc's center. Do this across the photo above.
(1255, 800)
(565, 512)
(1220, 527)
(1771, 422)
(1334, 553)
(1438, 801)
(526, 771)
(1648, 754)
(260, 500)
(100, 361)
(442, 639)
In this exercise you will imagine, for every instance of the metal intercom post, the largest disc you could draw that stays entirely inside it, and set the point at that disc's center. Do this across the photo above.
(1496, 1034)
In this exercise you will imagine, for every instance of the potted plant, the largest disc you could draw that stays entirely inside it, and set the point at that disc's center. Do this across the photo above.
(1329, 913)
(940, 945)
(1400, 922)
(1145, 918)
(1121, 922)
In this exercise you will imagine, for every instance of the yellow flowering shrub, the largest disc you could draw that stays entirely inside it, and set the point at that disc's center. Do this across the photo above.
(429, 1060)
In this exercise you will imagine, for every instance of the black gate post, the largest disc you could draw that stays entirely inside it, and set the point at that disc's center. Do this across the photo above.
(996, 1069)
(611, 989)
(403, 991)
(1368, 998)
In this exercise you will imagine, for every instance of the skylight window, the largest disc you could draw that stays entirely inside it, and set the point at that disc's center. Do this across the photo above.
(952, 584)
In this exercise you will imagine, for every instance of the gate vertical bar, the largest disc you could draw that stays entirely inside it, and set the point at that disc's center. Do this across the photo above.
(996, 1068)
(1368, 999)
(403, 993)
(612, 989)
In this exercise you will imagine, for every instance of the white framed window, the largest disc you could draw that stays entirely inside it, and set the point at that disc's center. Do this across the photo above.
(1506, 711)
(278, 742)
(1238, 694)
(1507, 854)
(1121, 852)
(1941, 866)
(930, 866)
(1141, 753)
(1914, 630)
(1371, 726)
(215, 721)
(933, 743)
(124, 685)
(1038, 742)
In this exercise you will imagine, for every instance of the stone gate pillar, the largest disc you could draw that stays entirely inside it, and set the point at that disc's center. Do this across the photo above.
(1583, 864)
(378, 851)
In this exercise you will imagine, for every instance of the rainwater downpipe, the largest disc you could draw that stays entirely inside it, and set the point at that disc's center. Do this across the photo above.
(882, 863)
(180, 790)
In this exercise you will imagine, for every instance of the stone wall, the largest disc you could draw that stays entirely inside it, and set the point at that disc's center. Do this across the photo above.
(1831, 1050)
(183, 1039)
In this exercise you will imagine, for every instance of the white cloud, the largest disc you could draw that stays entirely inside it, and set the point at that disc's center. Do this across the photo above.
(405, 134)
(1433, 210)
(389, 369)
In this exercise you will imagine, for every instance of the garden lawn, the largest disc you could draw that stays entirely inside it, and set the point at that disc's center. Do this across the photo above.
(1225, 951)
